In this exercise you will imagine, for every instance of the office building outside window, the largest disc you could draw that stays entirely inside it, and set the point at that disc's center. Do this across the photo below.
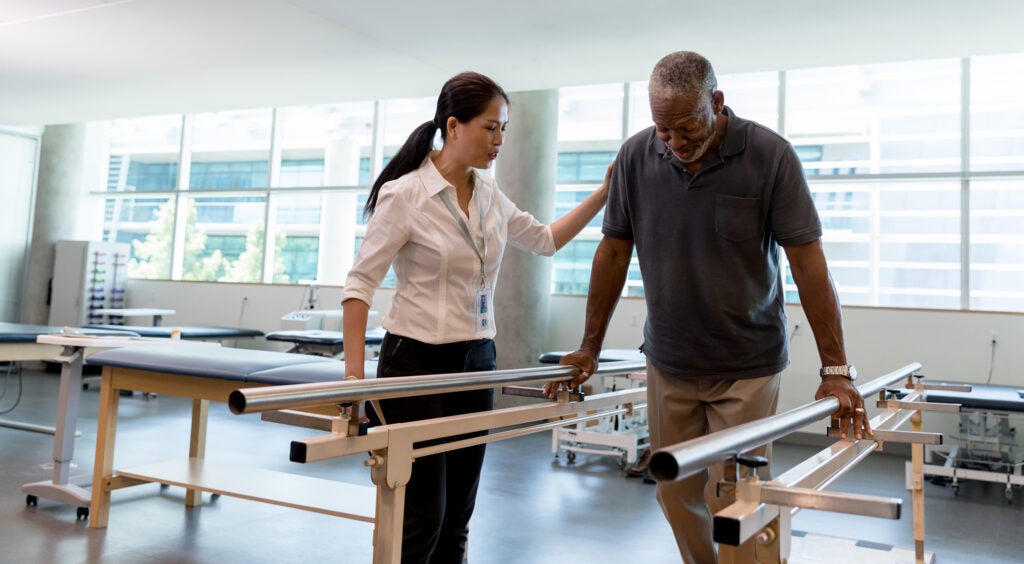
(916, 168)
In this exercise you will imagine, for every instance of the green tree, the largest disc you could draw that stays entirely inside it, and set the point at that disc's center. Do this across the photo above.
(248, 267)
(152, 256)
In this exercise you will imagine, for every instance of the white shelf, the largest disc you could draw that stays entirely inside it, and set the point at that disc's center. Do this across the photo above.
(329, 497)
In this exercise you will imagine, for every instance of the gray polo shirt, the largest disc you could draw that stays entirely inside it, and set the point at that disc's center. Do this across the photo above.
(708, 247)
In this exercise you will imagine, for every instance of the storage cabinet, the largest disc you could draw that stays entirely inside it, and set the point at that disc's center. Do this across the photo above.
(87, 275)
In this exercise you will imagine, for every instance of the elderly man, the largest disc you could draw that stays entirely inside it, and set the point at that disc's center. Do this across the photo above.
(708, 198)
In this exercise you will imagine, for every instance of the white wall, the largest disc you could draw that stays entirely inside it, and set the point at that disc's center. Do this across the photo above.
(951, 345)
(19, 149)
(251, 306)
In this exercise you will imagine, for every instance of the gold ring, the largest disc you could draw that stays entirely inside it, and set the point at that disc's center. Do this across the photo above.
(859, 409)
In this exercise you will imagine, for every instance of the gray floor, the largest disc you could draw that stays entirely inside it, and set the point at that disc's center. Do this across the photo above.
(533, 508)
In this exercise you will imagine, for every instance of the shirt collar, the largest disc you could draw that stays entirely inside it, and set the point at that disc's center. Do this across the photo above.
(432, 179)
(733, 143)
(735, 135)
(435, 183)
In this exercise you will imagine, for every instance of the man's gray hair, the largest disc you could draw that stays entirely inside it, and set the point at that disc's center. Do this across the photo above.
(683, 73)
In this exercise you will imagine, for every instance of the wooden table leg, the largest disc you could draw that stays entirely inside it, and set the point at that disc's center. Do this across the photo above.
(103, 469)
(197, 444)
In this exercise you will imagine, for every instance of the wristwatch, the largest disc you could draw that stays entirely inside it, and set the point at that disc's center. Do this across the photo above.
(845, 370)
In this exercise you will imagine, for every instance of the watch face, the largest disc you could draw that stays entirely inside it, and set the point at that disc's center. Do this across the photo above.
(853, 373)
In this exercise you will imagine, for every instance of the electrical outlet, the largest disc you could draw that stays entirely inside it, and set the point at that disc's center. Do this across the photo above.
(993, 337)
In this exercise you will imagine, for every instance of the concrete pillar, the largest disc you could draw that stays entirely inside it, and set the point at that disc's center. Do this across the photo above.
(338, 221)
(72, 162)
(526, 173)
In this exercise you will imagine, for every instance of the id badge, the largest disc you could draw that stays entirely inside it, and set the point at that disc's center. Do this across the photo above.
(482, 307)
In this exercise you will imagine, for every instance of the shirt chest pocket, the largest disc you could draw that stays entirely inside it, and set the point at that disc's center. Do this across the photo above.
(737, 219)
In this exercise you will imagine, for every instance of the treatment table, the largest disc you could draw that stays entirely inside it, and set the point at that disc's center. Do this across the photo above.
(230, 374)
(74, 349)
(622, 437)
(330, 344)
(988, 447)
(206, 375)
(18, 342)
(186, 332)
(182, 332)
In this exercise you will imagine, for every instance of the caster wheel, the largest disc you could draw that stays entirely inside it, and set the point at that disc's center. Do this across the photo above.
(82, 513)
(956, 489)
(571, 456)
(622, 462)
(31, 501)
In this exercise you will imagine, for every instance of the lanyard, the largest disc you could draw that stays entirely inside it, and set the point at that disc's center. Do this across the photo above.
(465, 230)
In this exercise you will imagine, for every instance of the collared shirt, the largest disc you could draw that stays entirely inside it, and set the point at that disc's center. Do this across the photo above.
(437, 272)
(708, 247)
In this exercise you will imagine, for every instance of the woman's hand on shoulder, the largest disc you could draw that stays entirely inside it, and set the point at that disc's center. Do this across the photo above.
(607, 178)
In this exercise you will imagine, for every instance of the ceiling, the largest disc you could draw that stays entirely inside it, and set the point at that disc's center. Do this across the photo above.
(68, 61)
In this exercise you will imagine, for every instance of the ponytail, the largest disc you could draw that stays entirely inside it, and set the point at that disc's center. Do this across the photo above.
(406, 160)
(465, 96)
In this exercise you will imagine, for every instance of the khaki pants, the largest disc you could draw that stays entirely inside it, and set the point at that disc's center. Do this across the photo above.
(679, 410)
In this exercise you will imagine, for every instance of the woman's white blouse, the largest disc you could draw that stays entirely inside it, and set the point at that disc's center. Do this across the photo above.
(438, 273)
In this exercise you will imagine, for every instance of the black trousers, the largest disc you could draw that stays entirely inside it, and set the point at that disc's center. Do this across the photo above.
(441, 493)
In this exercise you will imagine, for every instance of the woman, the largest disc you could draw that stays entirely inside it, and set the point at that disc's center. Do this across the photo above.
(445, 228)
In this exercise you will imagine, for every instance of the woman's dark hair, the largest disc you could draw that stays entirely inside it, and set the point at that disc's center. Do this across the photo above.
(464, 97)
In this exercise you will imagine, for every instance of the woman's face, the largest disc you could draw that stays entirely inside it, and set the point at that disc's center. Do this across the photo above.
(477, 141)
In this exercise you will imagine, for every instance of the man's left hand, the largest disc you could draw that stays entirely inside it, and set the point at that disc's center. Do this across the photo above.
(851, 412)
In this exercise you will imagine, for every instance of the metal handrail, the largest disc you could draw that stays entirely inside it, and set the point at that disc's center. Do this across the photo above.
(300, 396)
(675, 462)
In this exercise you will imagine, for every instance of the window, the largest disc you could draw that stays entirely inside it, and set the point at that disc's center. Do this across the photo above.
(224, 239)
(753, 96)
(144, 154)
(872, 119)
(148, 225)
(997, 113)
(997, 245)
(891, 243)
(299, 258)
(324, 145)
(590, 113)
(583, 167)
(920, 189)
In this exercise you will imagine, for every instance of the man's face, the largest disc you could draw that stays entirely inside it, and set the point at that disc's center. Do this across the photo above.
(686, 124)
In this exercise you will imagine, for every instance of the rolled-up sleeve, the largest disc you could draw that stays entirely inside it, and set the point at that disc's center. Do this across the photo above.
(386, 233)
(524, 231)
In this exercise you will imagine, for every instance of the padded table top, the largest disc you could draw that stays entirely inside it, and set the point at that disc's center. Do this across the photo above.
(981, 396)
(23, 333)
(374, 336)
(187, 331)
(306, 373)
(607, 355)
(210, 362)
(243, 365)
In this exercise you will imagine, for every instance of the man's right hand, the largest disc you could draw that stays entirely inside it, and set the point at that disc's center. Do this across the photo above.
(584, 360)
